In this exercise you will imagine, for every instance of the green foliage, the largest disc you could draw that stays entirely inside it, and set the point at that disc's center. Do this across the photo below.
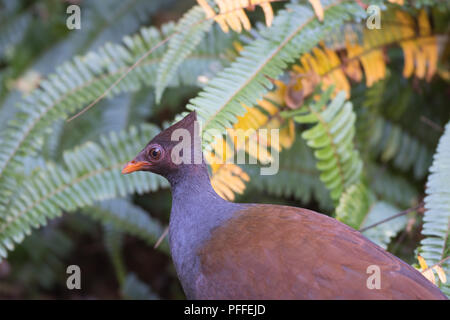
(332, 138)
(294, 31)
(354, 205)
(391, 187)
(81, 81)
(392, 144)
(383, 233)
(40, 259)
(127, 217)
(73, 85)
(113, 239)
(359, 208)
(188, 33)
(297, 177)
(363, 159)
(436, 244)
(131, 287)
(90, 173)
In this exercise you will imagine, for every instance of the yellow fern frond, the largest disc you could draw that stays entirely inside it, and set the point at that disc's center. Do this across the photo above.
(318, 9)
(352, 67)
(246, 135)
(399, 2)
(428, 273)
(428, 45)
(232, 15)
(228, 179)
(372, 62)
(421, 54)
(267, 9)
(322, 65)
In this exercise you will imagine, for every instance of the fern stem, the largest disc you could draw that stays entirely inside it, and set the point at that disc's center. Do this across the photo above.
(402, 213)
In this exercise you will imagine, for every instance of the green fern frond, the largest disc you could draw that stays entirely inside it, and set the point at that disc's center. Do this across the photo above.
(391, 187)
(101, 22)
(359, 208)
(46, 253)
(354, 204)
(297, 177)
(294, 31)
(113, 240)
(436, 244)
(392, 144)
(383, 233)
(73, 85)
(90, 173)
(129, 218)
(79, 82)
(189, 31)
(332, 138)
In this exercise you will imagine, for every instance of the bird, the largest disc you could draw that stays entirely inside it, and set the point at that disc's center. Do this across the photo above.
(225, 250)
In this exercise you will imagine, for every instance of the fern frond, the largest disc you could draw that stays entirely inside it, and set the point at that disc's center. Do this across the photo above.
(90, 173)
(390, 187)
(111, 20)
(79, 82)
(421, 55)
(252, 133)
(228, 179)
(247, 134)
(318, 9)
(359, 208)
(129, 218)
(383, 233)
(354, 204)
(322, 65)
(295, 179)
(436, 228)
(46, 253)
(189, 31)
(361, 53)
(428, 272)
(294, 31)
(399, 2)
(392, 144)
(232, 15)
(265, 115)
(113, 240)
(332, 138)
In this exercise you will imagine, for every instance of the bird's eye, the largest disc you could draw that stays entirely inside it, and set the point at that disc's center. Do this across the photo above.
(155, 153)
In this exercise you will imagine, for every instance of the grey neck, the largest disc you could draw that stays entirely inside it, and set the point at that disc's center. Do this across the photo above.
(196, 210)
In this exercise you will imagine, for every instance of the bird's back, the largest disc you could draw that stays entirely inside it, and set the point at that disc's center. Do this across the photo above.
(280, 252)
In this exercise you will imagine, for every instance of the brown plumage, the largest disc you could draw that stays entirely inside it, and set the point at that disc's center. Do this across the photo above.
(224, 250)
(279, 252)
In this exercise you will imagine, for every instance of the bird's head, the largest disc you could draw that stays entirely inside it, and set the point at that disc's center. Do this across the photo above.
(174, 148)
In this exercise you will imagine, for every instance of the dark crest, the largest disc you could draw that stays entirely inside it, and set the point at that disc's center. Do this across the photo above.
(188, 123)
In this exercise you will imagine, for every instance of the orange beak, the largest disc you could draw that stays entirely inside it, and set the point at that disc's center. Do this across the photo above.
(133, 166)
